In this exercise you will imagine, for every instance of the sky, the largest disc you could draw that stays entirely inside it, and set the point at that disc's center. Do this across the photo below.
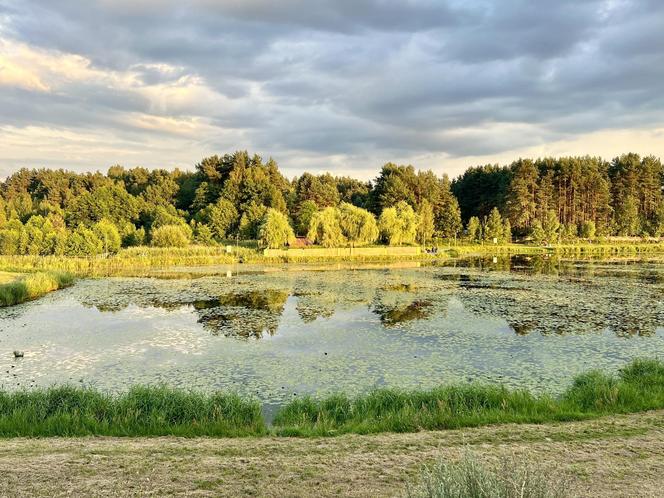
(341, 86)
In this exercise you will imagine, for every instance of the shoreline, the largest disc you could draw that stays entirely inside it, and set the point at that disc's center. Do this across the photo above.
(143, 411)
(133, 261)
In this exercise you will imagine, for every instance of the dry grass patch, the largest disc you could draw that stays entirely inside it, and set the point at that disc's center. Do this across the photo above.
(613, 456)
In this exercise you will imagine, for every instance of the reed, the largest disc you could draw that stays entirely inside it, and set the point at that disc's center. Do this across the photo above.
(33, 285)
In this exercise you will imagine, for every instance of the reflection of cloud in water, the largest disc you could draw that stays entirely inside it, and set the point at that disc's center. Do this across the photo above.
(180, 341)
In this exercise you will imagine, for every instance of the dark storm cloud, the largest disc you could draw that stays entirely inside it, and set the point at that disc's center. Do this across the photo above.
(335, 77)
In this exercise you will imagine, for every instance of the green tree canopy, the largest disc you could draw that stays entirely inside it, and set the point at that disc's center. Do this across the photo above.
(111, 203)
(426, 226)
(221, 217)
(493, 228)
(108, 236)
(304, 215)
(275, 230)
(325, 228)
(551, 226)
(399, 224)
(171, 236)
(474, 229)
(83, 241)
(358, 225)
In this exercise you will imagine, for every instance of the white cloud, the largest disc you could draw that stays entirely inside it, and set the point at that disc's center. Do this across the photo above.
(341, 86)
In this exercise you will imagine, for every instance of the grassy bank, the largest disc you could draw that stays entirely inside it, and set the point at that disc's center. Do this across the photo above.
(142, 411)
(67, 411)
(637, 387)
(31, 286)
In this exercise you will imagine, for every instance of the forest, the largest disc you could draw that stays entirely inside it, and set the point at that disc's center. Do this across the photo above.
(240, 196)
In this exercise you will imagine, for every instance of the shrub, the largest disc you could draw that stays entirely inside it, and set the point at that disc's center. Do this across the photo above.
(470, 478)
(171, 236)
(588, 229)
(203, 234)
(83, 242)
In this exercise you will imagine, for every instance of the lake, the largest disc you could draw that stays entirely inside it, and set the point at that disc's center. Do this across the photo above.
(279, 332)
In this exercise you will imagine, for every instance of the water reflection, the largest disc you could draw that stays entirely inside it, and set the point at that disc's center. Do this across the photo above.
(532, 294)
(395, 315)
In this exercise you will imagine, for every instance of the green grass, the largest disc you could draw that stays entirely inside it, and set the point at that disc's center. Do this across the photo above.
(637, 387)
(142, 411)
(152, 411)
(31, 286)
(470, 478)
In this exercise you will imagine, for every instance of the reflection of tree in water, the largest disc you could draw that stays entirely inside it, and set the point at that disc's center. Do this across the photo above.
(395, 304)
(243, 314)
(311, 306)
(238, 314)
(394, 315)
(522, 328)
(321, 295)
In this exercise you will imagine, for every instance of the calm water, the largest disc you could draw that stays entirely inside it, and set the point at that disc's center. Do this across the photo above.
(275, 334)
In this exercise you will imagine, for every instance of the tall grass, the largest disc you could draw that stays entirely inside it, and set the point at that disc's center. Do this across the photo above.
(142, 411)
(150, 411)
(130, 261)
(637, 387)
(579, 249)
(470, 478)
(32, 286)
(140, 260)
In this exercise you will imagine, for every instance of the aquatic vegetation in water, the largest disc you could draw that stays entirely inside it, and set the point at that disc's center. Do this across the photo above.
(244, 314)
(278, 334)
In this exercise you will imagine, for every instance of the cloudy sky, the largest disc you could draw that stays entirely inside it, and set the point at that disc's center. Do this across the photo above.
(327, 85)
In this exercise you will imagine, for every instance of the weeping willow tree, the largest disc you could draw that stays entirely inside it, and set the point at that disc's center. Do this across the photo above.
(357, 225)
(274, 230)
(398, 224)
(325, 228)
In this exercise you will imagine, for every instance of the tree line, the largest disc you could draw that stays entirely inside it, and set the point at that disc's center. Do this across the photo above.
(568, 197)
(238, 195)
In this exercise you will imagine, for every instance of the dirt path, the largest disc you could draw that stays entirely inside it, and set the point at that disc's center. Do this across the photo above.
(616, 456)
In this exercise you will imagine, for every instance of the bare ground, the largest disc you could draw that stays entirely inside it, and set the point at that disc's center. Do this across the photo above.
(613, 456)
